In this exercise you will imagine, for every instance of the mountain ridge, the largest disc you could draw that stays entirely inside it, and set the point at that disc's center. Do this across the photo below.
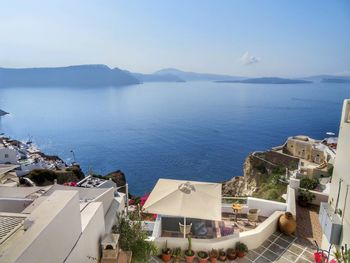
(76, 75)
(102, 75)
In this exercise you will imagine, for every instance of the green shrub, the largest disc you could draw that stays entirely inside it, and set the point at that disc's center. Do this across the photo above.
(241, 247)
(42, 177)
(308, 183)
(261, 168)
(278, 170)
(133, 238)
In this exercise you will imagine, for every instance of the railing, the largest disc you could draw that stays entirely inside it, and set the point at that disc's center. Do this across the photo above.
(234, 200)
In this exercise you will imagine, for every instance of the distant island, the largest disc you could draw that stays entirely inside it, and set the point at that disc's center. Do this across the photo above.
(81, 75)
(336, 80)
(157, 77)
(194, 76)
(328, 78)
(101, 75)
(267, 80)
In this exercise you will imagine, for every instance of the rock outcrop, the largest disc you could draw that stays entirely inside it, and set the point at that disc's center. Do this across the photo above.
(257, 168)
(119, 178)
(42, 177)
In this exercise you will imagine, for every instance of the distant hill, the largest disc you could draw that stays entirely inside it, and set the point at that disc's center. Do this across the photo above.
(157, 77)
(266, 80)
(81, 75)
(193, 76)
(329, 78)
(336, 80)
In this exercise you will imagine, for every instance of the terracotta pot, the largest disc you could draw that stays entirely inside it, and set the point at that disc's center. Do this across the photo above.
(222, 258)
(202, 260)
(232, 256)
(166, 257)
(189, 259)
(287, 223)
(213, 260)
(240, 254)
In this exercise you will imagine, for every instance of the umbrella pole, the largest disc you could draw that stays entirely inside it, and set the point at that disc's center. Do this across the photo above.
(185, 227)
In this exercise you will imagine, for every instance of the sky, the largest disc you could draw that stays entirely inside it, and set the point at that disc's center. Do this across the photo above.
(242, 38)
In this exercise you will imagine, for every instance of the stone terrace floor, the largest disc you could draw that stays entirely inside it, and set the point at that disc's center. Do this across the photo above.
(308, 225)
(277, 248)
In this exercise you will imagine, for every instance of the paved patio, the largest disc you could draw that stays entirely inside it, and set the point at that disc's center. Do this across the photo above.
(277, 248)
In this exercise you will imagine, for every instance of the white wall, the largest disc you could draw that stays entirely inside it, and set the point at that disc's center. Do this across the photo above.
(252, 238)
(267, 207)
(87, 249)
(341, 171)
(291, 206)
(56, 228)
(106, 198)
(12, 155)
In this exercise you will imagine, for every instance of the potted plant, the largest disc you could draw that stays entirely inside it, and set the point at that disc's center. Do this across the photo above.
(189, 253)
(222, 255)
(213, 255)
(241, 249)
(177, 254)
(202, 257)
(231, 253)
(305, 197)
(166, 253)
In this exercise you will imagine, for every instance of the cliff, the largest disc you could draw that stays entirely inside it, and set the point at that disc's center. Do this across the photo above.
(262, 172)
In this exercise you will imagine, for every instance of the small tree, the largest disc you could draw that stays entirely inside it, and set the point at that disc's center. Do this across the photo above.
(133, 238)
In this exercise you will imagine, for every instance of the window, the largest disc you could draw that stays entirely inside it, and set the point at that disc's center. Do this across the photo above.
(6, 155)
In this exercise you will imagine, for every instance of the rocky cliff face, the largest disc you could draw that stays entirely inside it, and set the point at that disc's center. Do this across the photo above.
(257, 168)
(248, 183)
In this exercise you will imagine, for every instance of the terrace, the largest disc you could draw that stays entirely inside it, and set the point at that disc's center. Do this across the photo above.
(232, 223)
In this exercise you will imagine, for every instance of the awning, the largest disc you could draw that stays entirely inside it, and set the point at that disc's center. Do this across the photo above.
(185, 199)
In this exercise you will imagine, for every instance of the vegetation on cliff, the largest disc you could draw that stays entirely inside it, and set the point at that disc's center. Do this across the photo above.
(272, 186)
(42, 177)
(263, 176)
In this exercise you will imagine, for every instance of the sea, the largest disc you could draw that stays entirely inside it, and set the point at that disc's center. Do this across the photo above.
(191, 131)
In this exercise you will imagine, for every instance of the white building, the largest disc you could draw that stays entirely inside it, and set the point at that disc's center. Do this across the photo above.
(55, 223)
(335, 215)
(8, 155)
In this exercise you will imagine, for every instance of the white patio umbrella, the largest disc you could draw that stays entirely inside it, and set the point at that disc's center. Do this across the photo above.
(185, 199)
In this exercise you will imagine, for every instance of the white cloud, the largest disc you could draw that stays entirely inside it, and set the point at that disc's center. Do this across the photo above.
(247, 59)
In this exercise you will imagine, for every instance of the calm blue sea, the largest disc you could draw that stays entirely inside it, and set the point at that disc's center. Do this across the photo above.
(193, 130)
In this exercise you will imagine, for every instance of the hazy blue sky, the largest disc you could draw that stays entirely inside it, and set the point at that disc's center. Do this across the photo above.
(285, 38)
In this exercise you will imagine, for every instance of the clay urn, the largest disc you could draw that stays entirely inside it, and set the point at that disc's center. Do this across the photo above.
(287, 223)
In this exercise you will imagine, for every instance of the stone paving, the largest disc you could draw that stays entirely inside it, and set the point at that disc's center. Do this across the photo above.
(308, 227)
(278, 248)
